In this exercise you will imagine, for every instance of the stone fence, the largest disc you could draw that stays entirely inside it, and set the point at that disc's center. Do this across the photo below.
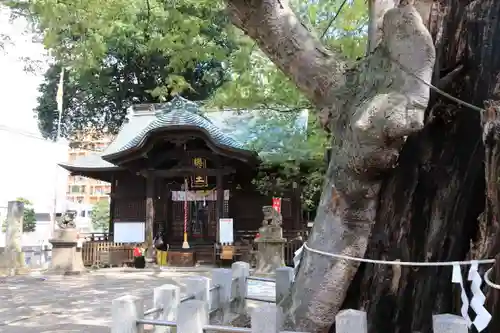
(211, 303)
(37, 256)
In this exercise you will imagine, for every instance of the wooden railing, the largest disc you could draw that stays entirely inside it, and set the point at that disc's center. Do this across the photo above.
(102, 253)
(119, 253)
(290, 249)
(96, 236)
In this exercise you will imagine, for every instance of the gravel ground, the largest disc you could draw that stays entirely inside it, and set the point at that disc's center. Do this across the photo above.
(49, 304)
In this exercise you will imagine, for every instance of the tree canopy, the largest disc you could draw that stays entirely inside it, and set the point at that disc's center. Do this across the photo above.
(125, 53)
(121, 52)
(100, 216)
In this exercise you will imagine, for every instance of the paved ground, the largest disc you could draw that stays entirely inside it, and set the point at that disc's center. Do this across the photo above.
(49, 304)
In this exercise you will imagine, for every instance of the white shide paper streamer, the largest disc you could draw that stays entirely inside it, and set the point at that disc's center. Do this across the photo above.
(478, 298)
(483, 317)
(296, 259)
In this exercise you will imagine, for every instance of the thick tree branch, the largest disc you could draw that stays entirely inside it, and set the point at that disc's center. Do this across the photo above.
(372, 108)
(317, 71)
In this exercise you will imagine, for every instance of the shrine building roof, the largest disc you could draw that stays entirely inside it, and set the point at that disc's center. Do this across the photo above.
(268, 133)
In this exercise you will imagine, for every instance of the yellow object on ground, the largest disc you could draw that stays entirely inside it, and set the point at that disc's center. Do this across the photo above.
(161, 258)
(227, 252)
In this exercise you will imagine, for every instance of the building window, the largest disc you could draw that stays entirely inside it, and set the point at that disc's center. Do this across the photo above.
(77, 189)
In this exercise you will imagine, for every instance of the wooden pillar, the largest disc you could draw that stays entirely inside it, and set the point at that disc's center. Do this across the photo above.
(297, 207)
(111, 228)
(150, 212)
(219, 213)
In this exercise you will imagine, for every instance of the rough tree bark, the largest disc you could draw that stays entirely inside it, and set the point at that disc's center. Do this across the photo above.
(431, 205)
(371, 109)
(431, 193)
(489, 228)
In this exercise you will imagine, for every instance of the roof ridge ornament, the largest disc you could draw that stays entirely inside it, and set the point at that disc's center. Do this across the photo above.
(179, 103)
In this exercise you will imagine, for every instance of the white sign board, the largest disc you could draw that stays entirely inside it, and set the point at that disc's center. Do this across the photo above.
(129, 232)
(226, 231)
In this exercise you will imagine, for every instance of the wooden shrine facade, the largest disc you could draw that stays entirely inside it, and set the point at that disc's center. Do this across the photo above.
(162, 156)
(130, 203)
(153, 189)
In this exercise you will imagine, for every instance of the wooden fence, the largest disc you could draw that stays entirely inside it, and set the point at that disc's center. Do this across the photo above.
(121, 252)
(106, 253)
(219, 298)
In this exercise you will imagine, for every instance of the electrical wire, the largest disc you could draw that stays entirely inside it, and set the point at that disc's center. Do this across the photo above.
(432, 87)
(407, 71)
(333, 19)
(35, 136)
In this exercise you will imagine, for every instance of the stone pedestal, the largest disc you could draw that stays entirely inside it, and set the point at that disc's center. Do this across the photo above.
(66, 255)
(270, 250)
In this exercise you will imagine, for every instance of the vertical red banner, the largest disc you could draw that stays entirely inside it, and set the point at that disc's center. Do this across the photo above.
(277, 204)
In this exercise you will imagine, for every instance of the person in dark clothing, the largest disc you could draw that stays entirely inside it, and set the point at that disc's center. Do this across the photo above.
(139, 259)
(159, 242)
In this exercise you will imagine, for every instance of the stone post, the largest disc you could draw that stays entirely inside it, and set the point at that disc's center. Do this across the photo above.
(267, 318)
(192, 317)
(222, 277)
(125, 311)
(13, 258)
(284, 281)
(449, 323)
(349, 320)
(241, 270)
(166, 297)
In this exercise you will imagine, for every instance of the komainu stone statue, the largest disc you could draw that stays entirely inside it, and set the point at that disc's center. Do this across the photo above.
(67, 220)
(66, 254)
(270, 244)
(271, 217)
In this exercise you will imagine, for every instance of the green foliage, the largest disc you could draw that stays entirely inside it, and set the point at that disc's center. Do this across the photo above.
(120, 52)
(117, 53)
(305, 165)
(29, 219)
(99, 101)
(100, 216)
(258, 82)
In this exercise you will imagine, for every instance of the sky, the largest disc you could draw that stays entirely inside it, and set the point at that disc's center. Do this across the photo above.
(18, 88)
(28, 167)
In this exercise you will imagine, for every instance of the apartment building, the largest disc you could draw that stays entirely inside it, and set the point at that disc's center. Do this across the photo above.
(82, 190)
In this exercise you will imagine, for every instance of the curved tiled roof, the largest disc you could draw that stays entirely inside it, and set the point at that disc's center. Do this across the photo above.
(273, 135)
(181, 112)
(89, 162)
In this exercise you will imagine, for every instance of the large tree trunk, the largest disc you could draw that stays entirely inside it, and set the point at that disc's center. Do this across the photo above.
(371, 109)
(430, 207)
(489, 228)
(422, 204)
